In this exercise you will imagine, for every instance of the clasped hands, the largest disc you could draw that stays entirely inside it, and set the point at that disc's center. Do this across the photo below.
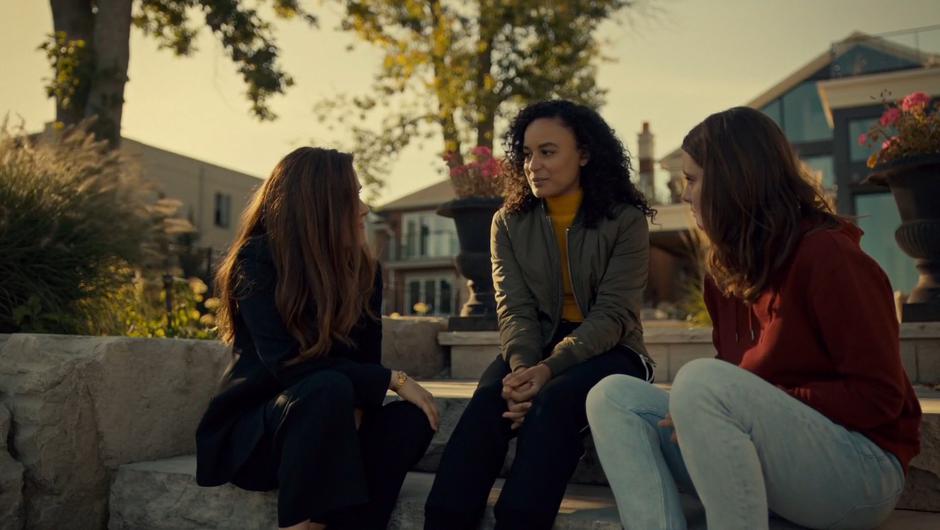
(520, 387)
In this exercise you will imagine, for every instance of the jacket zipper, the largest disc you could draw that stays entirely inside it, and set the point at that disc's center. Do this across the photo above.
(574, 292)
(558, 287)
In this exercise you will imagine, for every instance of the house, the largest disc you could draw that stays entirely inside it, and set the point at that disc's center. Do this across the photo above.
(823, 107)
(417, 249)
(212, 196)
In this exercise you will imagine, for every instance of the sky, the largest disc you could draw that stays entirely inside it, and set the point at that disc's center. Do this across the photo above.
(694, 58)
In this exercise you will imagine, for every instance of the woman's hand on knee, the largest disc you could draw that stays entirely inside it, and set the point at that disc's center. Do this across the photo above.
(516, 412)
(414, 393)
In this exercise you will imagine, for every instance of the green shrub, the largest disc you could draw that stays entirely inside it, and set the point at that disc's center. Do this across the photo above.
(139, 308)
(73, 218)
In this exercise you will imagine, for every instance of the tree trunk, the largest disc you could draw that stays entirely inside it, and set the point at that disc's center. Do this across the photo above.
(76, 20)
(112, 54)
(485, 96)
(446, 109)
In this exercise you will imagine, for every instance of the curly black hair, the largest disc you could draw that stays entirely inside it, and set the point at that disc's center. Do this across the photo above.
(605, 178)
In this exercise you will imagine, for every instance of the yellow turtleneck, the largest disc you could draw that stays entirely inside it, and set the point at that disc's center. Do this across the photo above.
(562, 210)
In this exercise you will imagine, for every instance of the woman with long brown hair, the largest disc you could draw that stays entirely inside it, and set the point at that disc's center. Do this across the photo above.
(300, 407)
(806, 412)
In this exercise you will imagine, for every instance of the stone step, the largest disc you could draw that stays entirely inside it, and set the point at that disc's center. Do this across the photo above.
(922, 491)
(672, 344)
(163, 495)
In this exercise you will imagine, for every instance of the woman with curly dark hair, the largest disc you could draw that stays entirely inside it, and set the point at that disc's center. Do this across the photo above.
(570, 252)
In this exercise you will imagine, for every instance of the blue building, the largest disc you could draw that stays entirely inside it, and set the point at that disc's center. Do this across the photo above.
(824, 106)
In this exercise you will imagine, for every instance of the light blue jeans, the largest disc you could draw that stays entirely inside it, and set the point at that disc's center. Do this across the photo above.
(747, 447)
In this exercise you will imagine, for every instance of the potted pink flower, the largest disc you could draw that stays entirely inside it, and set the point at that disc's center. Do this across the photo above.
(909, 164)
(479, 188)
(478, 178)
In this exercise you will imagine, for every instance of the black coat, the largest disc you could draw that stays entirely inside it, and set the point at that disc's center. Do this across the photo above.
(234, 422)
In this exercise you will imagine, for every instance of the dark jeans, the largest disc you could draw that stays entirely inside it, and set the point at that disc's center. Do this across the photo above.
(549, 447)
(327, 471)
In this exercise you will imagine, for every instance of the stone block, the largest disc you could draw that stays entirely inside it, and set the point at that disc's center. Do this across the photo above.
(469, 362)
(660, 353)
(11, 479)
(82, 405)
(909, 359)
(411, 344)
(450, 410)
(922, 488)
(163, 495)
(928, 360)
(680, 354)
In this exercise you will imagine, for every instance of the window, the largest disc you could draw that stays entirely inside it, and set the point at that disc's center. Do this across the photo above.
(803, 116)
(857, 152)
(428, 235)
(773, 110)
(223, 210)
(823, 168)
(430, 294)
(879, 218)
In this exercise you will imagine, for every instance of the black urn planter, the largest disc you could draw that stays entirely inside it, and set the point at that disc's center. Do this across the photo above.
(473, 216)
(915, 184)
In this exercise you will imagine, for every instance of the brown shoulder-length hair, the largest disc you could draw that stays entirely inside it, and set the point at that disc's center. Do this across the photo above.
(308, 209)
(756, 200)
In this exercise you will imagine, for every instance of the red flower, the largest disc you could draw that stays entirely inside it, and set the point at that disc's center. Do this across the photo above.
(915, 101)
(891, 116)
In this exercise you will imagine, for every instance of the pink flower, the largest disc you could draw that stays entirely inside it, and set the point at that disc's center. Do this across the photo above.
(889, 142)
(891, 116)
(862, 139)
(482, 151)
(915, 101)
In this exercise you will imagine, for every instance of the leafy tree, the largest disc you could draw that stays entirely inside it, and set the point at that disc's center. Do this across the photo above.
(453, 69)
(89, 51)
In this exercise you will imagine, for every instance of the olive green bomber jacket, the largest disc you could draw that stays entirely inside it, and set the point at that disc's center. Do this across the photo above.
(608, 264)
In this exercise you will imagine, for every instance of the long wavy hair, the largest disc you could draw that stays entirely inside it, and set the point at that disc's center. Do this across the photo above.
(308, 209)
(755, 198)
(605, 179)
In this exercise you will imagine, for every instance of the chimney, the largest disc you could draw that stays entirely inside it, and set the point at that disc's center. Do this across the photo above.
(645, 151)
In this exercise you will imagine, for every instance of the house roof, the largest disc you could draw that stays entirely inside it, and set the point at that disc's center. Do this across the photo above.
(813, 66)
(137, 146)
(430, 196)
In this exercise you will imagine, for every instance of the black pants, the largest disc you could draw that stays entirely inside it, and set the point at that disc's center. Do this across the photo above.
(327, 471)
(547, 452)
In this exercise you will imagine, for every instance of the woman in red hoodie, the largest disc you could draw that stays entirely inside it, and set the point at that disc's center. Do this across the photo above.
(807, 411)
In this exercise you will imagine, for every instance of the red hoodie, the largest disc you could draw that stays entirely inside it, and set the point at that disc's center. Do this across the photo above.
(825, 331)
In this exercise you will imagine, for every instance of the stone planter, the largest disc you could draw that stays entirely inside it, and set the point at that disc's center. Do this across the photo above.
(915, 184)
(473, 216)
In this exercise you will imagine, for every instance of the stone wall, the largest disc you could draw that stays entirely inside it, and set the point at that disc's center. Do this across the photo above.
(81, 406)
(78, 407)
(410, 344)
